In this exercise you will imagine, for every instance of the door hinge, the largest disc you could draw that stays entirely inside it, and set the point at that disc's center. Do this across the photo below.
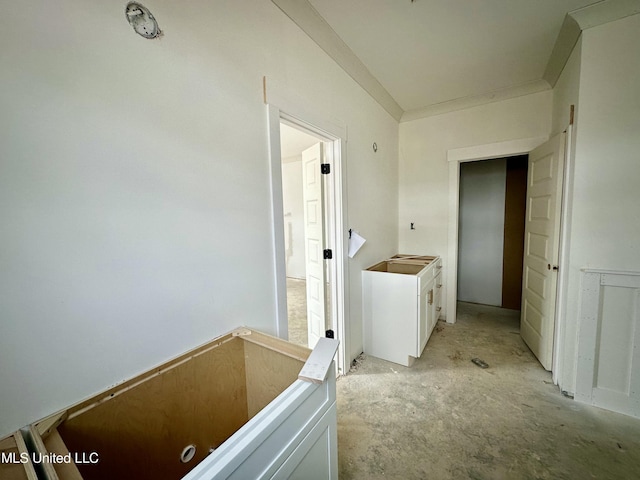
(325, 168)
(329, 334)
(328, 254)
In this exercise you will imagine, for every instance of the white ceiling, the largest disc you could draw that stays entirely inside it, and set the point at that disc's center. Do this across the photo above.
(427, 52)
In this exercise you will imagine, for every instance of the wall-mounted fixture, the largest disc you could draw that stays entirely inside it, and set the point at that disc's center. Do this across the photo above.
(142, 20)
(375, 147)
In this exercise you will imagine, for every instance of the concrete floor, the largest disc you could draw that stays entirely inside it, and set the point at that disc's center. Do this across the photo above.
(297, 310)
(446, 418)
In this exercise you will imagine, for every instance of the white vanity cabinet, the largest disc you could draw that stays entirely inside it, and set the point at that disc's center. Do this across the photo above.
(401, 305)
(435, 301)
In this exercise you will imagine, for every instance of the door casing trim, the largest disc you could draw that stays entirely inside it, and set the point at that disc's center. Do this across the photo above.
(334, 137)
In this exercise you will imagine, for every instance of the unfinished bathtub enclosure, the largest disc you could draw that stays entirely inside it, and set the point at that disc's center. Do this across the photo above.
(15, 459)
(245, 405)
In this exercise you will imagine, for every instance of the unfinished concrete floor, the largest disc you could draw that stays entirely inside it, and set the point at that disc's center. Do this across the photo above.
(297, 310)
(446, 418)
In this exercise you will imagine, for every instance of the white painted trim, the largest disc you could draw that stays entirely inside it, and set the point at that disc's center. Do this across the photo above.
(311, 22)
(319, 362)
(340, 275)
(563, 260)
(452, 245)
(292, 417)
(606, 271)
(335, 136)
(605, 11)
(302, 13)
(575, 22)
(469, 154)
(495, 150)
(277, 220)
(587, 333)
(567, 38)
(590, 319)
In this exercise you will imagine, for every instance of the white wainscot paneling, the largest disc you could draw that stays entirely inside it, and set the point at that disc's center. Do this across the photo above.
(608, 373)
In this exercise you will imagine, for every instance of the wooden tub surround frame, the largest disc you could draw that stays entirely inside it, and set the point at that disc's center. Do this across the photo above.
(15, 459)
(245, 405)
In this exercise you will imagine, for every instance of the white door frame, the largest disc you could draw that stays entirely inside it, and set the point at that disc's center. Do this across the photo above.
(563, 254)
(335, 140)
(507, 149)
(470, 154)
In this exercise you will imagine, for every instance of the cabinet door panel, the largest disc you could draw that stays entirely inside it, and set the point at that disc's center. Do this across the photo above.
(423, 322)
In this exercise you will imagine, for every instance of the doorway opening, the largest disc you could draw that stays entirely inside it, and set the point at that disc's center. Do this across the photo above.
(491, 225)
(305, 235)
(314, 228)
(542, 236)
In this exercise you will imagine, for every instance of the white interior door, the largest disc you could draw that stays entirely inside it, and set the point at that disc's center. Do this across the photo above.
(313, 197)
(541, 245)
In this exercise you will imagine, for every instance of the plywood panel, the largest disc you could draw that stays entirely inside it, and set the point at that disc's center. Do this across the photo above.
(12, 471)
(269, 373)
(65, 470)
(399, 266)
(139, 429)
(289, 349)
(140, 432)
(11, 467)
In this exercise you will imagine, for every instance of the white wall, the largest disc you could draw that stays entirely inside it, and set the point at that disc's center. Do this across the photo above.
(293, 217)
(373, 209)
(424, 172)
(605, 220)
(134, 186)
(481, 231)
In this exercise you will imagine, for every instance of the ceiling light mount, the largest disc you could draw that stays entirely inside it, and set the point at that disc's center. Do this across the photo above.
(142, 20)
